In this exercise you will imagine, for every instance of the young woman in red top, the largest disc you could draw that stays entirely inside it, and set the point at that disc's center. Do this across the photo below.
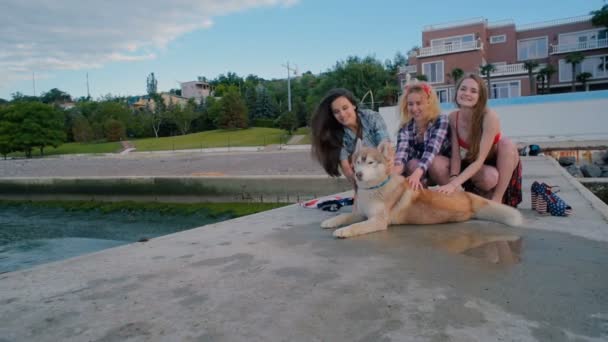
(483, 161)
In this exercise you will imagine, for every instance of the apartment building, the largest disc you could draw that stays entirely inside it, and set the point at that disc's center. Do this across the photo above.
(198, 90)
(472, 43)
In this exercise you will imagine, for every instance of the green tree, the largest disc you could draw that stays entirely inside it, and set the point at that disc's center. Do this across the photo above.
(456, 74)
(233, 110)
(583, 77)
(151, 84)
(114, 130)
(7, 133)
(35, 125)
(81, 129)
(487, 70)
(530, 66)
(548, 72)
(183, 117)
(287, 121)
(264, 105)
(574, 59)
(55, 96)
(600, 17)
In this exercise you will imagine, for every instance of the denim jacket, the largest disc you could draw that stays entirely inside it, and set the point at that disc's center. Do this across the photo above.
(373, 131)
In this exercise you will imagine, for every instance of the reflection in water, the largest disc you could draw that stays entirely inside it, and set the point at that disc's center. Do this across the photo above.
(496, 248)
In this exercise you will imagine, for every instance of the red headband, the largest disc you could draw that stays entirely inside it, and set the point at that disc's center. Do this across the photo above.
(425, 87)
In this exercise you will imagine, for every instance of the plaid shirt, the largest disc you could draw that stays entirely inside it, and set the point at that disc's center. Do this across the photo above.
(373, 131)
(436, 141)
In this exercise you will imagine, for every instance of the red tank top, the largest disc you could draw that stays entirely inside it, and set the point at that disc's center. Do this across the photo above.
(465, 144)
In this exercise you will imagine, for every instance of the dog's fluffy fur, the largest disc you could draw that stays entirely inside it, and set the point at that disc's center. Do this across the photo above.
(379, 205)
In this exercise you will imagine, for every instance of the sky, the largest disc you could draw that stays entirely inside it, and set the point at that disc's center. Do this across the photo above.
(47, 44)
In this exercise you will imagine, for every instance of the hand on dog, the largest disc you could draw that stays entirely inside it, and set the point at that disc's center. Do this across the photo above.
(414, 180)
(447, 189)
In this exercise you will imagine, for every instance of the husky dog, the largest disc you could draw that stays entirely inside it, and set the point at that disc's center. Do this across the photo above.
(384, 199)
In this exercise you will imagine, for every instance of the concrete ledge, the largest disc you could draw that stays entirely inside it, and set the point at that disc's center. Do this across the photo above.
(174, 189)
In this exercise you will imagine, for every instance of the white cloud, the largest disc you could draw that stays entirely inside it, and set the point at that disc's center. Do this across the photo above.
(43, 35)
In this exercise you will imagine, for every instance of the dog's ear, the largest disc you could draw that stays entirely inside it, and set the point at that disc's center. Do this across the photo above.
(387, 150)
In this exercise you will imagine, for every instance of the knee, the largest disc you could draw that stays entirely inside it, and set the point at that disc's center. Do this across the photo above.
(486, 179)
(507, 149)
(439, 166)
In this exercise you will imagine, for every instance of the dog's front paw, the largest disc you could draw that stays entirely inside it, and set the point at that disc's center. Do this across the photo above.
(343, 233)
(330, 223)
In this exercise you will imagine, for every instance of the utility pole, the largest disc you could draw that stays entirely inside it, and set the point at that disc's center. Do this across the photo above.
(88, 93)
(295, 72)
(34, 82)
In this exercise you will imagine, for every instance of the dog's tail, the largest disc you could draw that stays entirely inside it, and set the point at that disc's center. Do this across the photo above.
(492, 211)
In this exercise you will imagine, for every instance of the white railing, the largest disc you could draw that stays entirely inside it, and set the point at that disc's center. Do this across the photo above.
(556, 22)
(408, 69)
(579, 46)
(501, 23)
(450, 48)
(513, 69)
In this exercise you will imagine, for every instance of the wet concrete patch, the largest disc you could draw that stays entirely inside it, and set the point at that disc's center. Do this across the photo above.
(127, 331)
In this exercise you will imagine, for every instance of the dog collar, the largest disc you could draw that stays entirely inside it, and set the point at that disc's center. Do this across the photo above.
(379, 185)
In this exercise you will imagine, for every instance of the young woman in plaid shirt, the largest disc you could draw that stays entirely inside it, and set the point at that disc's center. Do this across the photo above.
(423, 144)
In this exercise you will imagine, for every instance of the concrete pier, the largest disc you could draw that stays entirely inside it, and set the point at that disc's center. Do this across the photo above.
(276, 276)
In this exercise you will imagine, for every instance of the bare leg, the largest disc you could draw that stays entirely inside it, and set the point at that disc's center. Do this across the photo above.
(410, 167)
(439, 170)
(506, 162)
(485, 180)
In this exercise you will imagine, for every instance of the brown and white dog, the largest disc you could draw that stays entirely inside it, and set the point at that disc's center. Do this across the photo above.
(384, 199)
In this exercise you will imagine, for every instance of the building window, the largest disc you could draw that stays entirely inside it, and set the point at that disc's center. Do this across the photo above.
(595, 65)
(445, 94)
(433, 71)
(583, 40)
(456, 41)
(533, 48)
(507, 89)
(498, 39)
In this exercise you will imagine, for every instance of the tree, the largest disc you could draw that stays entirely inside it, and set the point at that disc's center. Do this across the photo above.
(233, 110)
(574, 59)
(81, 129)
(55, 96)
(34, 124)
(264, 105)
(487, 70)
(583, 77)
(151, 84)
(114, 130)
(600, 17)
(287, 121)
(530, 66)
(421, 77)
(548, 72)
(456, 74)
(183, 117)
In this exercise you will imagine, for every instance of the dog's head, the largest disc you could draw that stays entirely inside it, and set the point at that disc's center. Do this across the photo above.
(372, 164)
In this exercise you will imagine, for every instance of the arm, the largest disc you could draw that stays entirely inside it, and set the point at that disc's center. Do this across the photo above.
(347, 170)
(401, 153)
(438, 133)
(455, 161)
(490, 128)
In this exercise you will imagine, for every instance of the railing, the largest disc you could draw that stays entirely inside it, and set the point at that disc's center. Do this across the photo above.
(513, 69)
(571, 20)
(408, 69)
(579, 46)
(450, 48)
(501, 23)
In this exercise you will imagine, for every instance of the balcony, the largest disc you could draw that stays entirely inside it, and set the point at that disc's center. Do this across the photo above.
(449, 48)
(408, 69)
(513, 69)
(579, 46)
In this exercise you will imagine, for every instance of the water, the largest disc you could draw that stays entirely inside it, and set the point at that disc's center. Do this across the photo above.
(31, 236)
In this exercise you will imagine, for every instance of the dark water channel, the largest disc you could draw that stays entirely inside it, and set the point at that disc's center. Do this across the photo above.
(31, 236)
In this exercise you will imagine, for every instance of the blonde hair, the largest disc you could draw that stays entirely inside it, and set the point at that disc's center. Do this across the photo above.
(432, 110)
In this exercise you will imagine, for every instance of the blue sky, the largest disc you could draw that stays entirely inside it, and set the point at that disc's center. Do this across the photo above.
(118, 43)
